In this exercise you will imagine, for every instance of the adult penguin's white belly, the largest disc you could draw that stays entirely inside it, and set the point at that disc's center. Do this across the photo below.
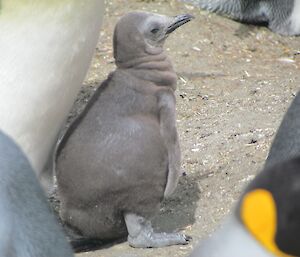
(45, 51)
(295, 17)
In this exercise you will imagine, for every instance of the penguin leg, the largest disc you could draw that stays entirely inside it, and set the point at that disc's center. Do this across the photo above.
(141, 234)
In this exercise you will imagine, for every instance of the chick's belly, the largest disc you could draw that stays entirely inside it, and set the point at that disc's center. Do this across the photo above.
(131, 157)
(137, 158)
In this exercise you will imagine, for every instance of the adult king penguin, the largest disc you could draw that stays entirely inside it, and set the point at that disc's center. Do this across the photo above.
(266, 222)
(45, 48)
(282, 16)
(121, 157)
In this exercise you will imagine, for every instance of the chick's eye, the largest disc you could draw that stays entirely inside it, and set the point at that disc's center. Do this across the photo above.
(154, 31)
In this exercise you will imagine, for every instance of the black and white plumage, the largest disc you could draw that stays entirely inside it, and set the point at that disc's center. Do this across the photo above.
(281, 16)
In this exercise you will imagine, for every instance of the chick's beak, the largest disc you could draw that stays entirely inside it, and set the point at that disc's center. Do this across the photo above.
(178, 21)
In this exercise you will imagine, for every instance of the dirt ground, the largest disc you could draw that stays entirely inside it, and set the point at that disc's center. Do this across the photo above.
(234, 84)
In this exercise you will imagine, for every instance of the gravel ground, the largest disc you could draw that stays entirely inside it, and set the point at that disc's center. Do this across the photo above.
(234, 84)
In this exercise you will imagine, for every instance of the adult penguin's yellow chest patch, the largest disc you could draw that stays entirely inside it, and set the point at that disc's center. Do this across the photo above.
(258, 212)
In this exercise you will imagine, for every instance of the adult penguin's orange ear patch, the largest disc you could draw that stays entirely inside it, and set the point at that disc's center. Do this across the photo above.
(259, 214)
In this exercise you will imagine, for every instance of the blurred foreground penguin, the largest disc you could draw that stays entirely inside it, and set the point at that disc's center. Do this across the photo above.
(266, 221)
(121, 157)
(282, 16)
(45, 51)
(27, 226)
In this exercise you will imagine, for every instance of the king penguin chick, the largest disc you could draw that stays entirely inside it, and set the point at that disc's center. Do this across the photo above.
(27, 227)
(121, 157)
(282, 16)
(266, 221)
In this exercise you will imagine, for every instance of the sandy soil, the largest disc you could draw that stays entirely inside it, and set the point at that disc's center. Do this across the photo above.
(235, 83)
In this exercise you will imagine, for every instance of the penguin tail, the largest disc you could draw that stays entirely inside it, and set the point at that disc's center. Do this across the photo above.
(81, 243)
(86, 245)
(92, 244)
